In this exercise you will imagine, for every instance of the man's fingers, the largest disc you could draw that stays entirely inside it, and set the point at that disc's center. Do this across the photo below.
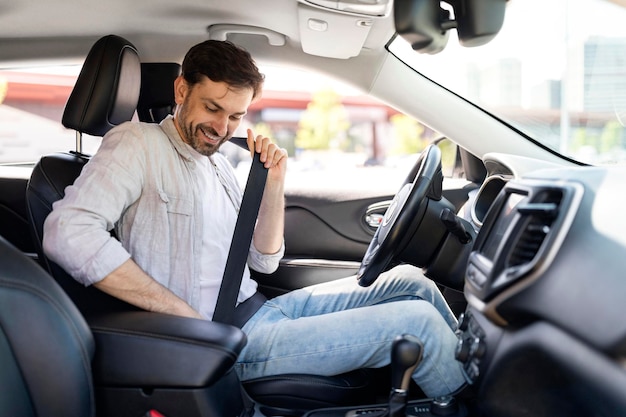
(271, 154)
(250, 142)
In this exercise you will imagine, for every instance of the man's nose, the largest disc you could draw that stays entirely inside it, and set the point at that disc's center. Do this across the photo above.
(221, 126)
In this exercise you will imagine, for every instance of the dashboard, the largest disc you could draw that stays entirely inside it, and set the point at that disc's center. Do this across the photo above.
(544, 332)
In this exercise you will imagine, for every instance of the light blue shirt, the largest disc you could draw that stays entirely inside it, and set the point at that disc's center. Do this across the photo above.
(143, 183)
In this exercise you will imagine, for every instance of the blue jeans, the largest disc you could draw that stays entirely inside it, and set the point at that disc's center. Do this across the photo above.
(339, 326)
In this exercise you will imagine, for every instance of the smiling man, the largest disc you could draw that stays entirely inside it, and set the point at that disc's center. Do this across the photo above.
(173, 201)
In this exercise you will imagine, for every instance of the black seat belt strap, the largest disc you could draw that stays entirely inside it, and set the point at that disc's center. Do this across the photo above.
(242, 238)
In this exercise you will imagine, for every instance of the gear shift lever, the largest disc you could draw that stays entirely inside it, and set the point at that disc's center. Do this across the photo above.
(406, 354)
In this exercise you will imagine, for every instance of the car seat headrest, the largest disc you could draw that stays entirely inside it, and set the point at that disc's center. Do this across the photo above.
(156, 97)
(107, 89)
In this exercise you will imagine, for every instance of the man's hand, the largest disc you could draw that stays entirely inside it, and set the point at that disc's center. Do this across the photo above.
(272, 156)
(268, 234)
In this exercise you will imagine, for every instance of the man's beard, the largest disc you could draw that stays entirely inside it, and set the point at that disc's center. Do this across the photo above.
(194, 137)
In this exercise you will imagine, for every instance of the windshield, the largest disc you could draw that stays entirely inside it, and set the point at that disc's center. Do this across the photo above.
(556, 71)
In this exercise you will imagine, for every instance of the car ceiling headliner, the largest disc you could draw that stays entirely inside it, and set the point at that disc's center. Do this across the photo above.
(161, 29)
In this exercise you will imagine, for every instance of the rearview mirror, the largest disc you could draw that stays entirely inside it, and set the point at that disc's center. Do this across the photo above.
(478, 21)
(421, 23)
(425, 23)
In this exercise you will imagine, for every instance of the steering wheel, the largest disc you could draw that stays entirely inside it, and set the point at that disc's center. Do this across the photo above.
(403, 215)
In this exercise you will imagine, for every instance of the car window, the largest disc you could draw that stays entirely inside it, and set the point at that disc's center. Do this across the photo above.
(31, 108)
(556, 71)
(334, 134)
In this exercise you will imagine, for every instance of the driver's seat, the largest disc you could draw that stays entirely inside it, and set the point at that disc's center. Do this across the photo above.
(107, 86)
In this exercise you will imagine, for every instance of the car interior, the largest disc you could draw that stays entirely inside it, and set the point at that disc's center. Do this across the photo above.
(527, 247)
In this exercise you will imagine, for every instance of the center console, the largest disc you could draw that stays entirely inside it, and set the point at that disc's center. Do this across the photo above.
(419, 408)
(406, 355)
(161, 362)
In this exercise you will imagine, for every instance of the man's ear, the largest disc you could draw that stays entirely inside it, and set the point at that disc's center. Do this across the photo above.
(181, 88)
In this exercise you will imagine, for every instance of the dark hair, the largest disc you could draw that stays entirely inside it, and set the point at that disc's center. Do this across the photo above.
(222, 61)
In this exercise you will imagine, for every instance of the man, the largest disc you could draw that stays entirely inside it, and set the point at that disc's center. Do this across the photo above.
(173, 201)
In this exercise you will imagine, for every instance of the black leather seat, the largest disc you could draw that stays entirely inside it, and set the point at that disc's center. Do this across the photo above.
(46, 347)
(106, 94)
(54, 364)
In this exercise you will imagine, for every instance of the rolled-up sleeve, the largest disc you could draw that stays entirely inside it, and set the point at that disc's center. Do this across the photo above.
(80, 248)
(265, 263)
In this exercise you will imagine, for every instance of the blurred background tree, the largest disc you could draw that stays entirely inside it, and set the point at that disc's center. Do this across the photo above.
(600, 146)
(408, 135)
(263, 129)
(324, 123)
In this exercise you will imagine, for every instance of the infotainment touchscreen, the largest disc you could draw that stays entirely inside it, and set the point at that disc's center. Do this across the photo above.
(503, 221)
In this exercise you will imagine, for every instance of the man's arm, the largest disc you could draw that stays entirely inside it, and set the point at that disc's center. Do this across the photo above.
(131, 284)
(270, 227)
(76, 232)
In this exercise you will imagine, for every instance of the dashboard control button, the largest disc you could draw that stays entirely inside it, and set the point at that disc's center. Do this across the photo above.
(462, 352)
(477, 349)
(464, 321)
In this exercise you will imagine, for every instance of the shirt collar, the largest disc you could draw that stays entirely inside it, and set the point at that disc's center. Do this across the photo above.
(170, 130)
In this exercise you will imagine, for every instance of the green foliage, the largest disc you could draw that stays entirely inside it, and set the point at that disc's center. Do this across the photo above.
(610, 139)
(263, 129)
(448, 155)
(324, 123)
(407, 135)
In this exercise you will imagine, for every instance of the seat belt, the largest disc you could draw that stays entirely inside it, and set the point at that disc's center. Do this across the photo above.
(242, 238)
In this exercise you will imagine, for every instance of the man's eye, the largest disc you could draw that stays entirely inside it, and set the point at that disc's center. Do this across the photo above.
(210, 109)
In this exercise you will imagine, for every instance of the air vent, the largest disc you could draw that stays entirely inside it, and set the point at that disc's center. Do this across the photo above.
(538, 218)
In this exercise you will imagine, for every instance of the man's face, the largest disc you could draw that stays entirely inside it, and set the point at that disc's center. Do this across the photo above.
(208, 112)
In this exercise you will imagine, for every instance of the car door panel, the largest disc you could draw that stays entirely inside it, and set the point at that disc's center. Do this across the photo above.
(325, 239)
(326, 236)
(320, 227)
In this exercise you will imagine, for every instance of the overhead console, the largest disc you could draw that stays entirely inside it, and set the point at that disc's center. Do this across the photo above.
(344, 24)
